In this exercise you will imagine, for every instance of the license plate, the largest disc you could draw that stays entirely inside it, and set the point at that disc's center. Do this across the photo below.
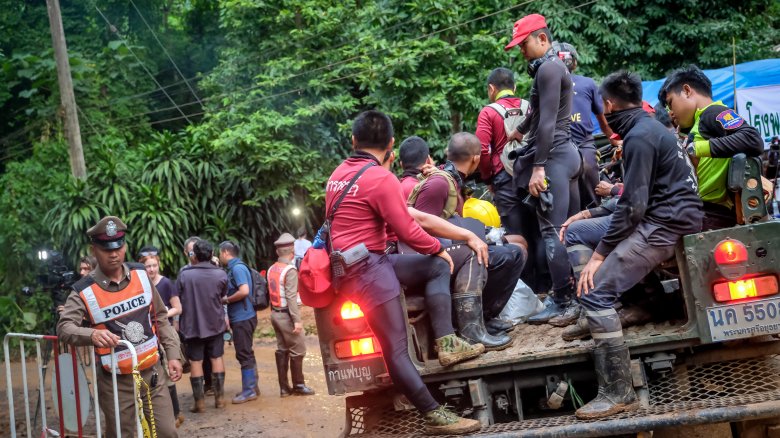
(744, 320)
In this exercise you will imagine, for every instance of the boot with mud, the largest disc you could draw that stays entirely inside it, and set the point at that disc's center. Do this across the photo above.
(282, 365)
(497, 326)
(442, 421)
(631, 316)
(199, 403)
(218, 380)
(471, 325)
(296, 372)
(248, 383)
(571, 307)
(452, 349)
(616, 391)
(578, 330)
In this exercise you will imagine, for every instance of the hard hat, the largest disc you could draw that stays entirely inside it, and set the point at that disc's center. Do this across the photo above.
(482, 211)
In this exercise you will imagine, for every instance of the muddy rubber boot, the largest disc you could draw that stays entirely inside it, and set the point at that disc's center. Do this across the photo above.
(248, 383)
(257, 381)
(616, 390)
(567, 296)
(471, 326)
(199, 404)
(296, 370)
(452, 349)
(578, 330)
(551, 310)
(218, 379)
(441, 421)
(208, 386)
(634, 315)
(175, 402)
(282, 365)
(497, 327)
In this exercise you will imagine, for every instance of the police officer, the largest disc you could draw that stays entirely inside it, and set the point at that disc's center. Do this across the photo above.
(286, 319)
(118, 302)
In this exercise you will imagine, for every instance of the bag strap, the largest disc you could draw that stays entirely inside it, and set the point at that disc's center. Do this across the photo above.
(346, 190)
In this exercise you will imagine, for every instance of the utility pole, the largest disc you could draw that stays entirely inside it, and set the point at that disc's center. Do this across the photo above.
(67, 98)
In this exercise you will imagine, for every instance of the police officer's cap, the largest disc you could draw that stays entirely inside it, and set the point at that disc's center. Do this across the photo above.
(108, 233)
(285, 239)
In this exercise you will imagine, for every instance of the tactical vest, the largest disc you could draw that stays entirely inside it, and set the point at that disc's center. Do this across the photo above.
(128, 314)
(276, 274)
(452, 194)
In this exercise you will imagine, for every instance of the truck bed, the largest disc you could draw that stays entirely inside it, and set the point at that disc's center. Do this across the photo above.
(536, 346)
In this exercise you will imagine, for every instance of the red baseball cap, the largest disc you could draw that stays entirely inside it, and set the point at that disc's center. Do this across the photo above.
(524, 27)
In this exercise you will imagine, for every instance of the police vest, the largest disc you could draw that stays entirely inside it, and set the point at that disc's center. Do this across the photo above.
(128, 314)
(276, 275)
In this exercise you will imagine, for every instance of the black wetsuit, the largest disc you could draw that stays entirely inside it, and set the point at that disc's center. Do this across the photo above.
(549, 145)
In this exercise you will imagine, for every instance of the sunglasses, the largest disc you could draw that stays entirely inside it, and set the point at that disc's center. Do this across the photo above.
(147, 253)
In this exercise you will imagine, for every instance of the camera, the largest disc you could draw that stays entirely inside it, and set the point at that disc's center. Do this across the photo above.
(55, 277)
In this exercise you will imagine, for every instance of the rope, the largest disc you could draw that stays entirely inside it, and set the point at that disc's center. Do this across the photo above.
(149, 427)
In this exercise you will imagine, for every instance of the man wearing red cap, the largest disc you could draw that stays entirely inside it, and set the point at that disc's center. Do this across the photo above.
(549, 166)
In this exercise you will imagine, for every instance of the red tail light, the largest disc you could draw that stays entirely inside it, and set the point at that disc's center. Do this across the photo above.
(350, 310)
(748, 288)
(357, 347)
(730, 252)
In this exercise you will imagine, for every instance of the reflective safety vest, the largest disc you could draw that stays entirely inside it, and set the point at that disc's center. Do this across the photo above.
(127, 314)
(276, 275)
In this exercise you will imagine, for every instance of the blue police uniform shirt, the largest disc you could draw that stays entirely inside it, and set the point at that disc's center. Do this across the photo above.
(239, 274)
(585, 103)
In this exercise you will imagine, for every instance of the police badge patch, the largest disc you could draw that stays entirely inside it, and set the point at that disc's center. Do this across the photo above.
(729, 119)
(111, 229)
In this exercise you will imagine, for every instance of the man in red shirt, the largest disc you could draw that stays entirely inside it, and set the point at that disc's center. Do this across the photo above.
(372, 203)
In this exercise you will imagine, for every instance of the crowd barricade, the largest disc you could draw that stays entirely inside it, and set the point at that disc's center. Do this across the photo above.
(33, 429)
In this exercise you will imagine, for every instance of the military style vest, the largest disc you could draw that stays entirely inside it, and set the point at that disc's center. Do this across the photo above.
(276, 274)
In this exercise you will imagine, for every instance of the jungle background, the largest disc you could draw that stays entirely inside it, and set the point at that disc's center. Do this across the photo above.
(219, 118)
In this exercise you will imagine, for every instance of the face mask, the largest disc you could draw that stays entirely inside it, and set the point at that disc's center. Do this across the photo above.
(618, 121)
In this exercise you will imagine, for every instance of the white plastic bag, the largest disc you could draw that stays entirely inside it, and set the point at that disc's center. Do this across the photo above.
(523, 304)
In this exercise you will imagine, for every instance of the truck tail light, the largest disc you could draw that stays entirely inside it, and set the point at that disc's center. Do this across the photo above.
(747, 288)
(730, 252)
(357, 347)
(731, 258)
(350, 310)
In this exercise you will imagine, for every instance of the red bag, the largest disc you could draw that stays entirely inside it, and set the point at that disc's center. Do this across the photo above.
(315, 284)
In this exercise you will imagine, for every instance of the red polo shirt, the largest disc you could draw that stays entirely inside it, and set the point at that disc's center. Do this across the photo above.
(373, 203)
(492, 136)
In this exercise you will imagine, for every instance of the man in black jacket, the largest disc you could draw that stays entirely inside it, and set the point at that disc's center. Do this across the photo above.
(659, 204)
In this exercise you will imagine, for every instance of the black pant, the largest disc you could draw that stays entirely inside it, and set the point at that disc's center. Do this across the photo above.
(430, 274)
(504, 269)
(388, 323)
(243, 339)
(718, 216)
(590, 176)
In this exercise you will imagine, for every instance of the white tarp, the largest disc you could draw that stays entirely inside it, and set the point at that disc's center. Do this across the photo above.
(760, 107)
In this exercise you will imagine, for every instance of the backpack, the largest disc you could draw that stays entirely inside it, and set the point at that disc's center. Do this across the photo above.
(513, 117)
(452, 194)
(259, 296)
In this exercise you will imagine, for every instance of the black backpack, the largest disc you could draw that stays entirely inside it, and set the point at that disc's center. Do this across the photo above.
(259, 295)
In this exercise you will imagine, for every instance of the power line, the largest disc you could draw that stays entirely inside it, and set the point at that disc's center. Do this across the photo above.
(328, 66)
(130, 49)
(164, 50)
(260, 98)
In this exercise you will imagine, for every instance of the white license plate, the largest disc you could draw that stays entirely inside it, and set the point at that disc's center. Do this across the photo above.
(744, 320)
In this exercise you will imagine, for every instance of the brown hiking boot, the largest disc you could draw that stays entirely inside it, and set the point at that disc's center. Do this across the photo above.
(441, 421)
(580, 330)
(452, 349)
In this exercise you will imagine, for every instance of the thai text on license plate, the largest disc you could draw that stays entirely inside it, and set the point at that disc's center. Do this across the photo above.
(744, 320)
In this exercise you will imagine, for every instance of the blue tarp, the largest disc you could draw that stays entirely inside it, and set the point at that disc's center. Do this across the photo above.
(749, 74)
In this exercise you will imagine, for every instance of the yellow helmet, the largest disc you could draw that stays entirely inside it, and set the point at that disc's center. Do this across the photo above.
(482, 211)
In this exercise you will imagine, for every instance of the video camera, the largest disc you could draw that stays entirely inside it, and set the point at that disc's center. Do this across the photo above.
(55, 277)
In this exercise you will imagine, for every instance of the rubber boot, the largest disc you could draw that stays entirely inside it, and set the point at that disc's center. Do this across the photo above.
(296, 370)
(496, 326)
(452, 349)
(551, 310)
(257, 381)
(616, 390)
(248, 383)
(218, 380)
(471, 326)
(175, 402)
(282, 364)
(571, 311)
(440, 421)
(208, 386)
(199, 405)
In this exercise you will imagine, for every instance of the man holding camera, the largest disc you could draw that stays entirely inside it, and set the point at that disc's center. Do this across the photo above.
(120, 303)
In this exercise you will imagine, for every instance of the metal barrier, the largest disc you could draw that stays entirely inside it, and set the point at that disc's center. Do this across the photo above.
(41, 367)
